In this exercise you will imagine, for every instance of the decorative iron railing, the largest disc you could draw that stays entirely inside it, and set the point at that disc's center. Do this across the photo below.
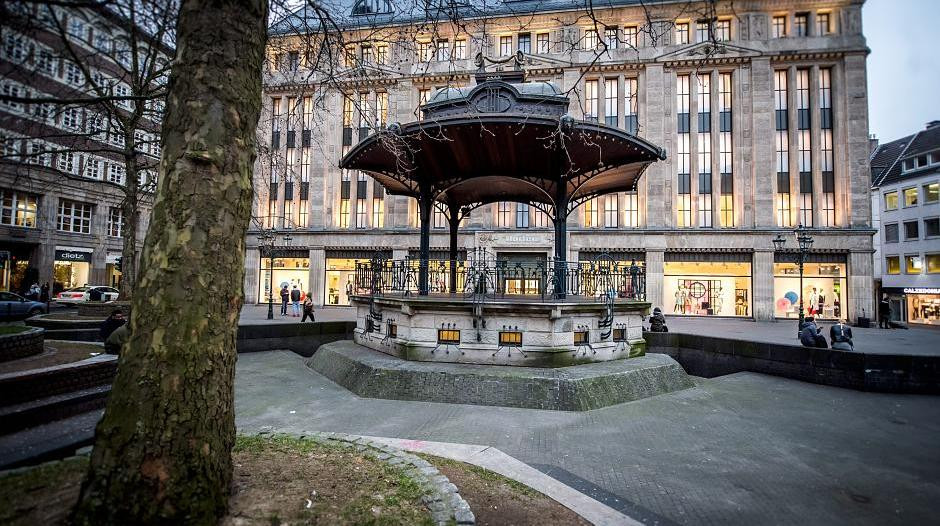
(494, 278)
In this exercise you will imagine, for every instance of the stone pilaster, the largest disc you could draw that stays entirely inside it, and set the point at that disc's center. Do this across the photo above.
(859, 172)
(762, 161)
(654, 277)
(658, 190)
(252, 270)
(317, 275)
(860, 283)
(762, 276)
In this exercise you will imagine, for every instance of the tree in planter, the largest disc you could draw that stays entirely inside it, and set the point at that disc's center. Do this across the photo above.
(107, 62)
(163, 448)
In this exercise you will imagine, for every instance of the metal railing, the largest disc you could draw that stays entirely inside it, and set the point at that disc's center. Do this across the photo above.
(500, 279)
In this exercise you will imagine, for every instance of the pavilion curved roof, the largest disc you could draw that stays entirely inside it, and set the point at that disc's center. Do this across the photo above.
(496, 143)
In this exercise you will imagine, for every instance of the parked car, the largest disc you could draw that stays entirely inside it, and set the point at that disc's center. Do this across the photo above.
(83, 294)
(15, 307)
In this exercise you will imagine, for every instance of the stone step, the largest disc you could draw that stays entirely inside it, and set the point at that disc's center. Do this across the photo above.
(33, 413)
(24, 386)
(49, 441)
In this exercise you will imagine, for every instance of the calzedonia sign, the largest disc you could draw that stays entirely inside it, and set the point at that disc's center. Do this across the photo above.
(72, 255)
(921, 290)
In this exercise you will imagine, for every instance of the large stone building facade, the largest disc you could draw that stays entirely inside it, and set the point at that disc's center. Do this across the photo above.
(762, 109)
(62, 172)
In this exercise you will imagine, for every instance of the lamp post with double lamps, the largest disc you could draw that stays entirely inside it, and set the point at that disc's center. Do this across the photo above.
(804, 243)
(268, 248)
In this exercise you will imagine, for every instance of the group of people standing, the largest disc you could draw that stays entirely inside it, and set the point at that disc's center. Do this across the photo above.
(299, 300)
(37, 293)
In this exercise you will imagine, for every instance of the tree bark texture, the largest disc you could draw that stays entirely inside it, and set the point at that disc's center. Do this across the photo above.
(163, 449)
(130, 210)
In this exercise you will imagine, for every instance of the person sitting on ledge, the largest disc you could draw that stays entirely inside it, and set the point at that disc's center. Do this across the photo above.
(114, 342)
(841, 336)
(811, 334)
(658, 321)
(111, 323)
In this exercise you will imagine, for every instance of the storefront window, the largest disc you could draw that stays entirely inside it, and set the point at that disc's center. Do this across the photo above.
(706, 288)
(70, 274)
(286, 271)
(340, 277)
(823, 290)
(924, 308)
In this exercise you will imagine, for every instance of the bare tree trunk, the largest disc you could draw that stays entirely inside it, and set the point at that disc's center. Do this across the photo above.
(163, 449)
(130, 211)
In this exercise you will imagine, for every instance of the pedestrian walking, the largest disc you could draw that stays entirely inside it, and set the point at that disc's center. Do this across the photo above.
(44, 292)
(295, 301)
(308, 309)
(285, 297)
(884, 313)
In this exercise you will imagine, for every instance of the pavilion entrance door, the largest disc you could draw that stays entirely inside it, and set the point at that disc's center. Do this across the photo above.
(522, 273)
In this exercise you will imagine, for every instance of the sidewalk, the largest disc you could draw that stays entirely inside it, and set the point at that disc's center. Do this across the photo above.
(258, 315)
(915, 341)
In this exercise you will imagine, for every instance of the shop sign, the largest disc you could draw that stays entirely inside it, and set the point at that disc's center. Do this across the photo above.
(72, 255)
(921, 290)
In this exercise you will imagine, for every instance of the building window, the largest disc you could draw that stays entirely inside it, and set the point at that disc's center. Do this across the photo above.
(378, 211)
(460, 49)
(362, 215)
(590, 100)
(539, 218)
(442, 52)
(891, 200)
(381, 54)
(779, 26)
(525, 43)
(438, 217)
(804, 146)
(93, 168)
(891, 233)
(423, 95)
(933, 263)
(893, 264)
(522, 215)
(822, 24)
(542, 43)
(73, 74)
(611, 211)
(910, 197)
(505, 46)
(425, 51)
(932, 227)
(590, 213)
(722, 30)
(631, 120)
(367, 55)
(704, 151)
(591, 39)
(18, 208)
(611, 118)
(632, 210)
(913, 265)
(801, 24)
(504, 214)
(610, 37)
(931, 193)
(911, 230)
(684, 197)
(682, 33)
(725, 151)
(631, 36)
(67, 163)
(825, 147)
(115, 221)
(74, 217)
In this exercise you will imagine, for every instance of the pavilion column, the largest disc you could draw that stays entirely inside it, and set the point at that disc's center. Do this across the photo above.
(454, 217)
(424, 211)
(561, 241)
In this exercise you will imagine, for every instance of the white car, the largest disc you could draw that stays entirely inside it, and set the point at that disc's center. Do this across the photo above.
(83, 294)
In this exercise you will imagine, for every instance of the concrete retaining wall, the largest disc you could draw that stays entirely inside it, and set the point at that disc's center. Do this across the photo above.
(39, 383)
(301, 338)
(710, 356)
(21, 344)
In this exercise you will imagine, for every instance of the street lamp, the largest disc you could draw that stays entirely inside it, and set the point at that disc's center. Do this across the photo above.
(266, 244)
(804, 243)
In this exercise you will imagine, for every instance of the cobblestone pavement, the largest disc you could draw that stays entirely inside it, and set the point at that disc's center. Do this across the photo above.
(740, 449)
(258, 314)
(916, 340)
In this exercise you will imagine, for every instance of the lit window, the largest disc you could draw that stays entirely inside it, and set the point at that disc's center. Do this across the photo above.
(505, 45)
(630, 36)
(610, 102)
(722, 30)
(611, 211)
(504, 214)
(913, 265)
(822, 24)
(891, 200)
(460, 49)
(779, 26)
(425, 51)
(378, 212)
(682, 33)
(933, 263)
(893, 264)
(910, 197)
(448, 337)
(931, 192)
(542, 43)
(590, 213)
(18, 208)
(632, 209)
(683, 152)
(590, 100)
(510, 338)
(591, 39)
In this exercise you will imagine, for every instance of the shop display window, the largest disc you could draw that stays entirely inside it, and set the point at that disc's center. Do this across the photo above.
(289, 271)
(824, 289)
(923, 308)
(340, 280)
(708, 288)
(70, 274)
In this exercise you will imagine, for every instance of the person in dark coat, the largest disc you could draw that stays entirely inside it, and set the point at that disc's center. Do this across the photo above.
(808, 332)
(658, 321)
(884, 313)
(285, 297)
(295, 301)
(308, 309)
(841, 336)
(109, 325)
(44, 293)
(117, 340)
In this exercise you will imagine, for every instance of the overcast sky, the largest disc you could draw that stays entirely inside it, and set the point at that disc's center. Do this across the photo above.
(903, 67)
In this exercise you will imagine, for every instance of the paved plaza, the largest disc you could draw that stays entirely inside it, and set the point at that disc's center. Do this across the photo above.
(741, 449)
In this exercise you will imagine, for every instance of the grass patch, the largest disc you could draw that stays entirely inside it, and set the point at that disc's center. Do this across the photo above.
(42, 495)
(55, 353)
(13, 329)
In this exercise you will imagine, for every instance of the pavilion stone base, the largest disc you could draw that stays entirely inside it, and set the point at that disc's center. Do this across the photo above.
(412, 328)
(582, 387)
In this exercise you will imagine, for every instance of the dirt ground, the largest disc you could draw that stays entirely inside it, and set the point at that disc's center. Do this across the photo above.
(283, 480)
(56, 353)
(497, 500)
